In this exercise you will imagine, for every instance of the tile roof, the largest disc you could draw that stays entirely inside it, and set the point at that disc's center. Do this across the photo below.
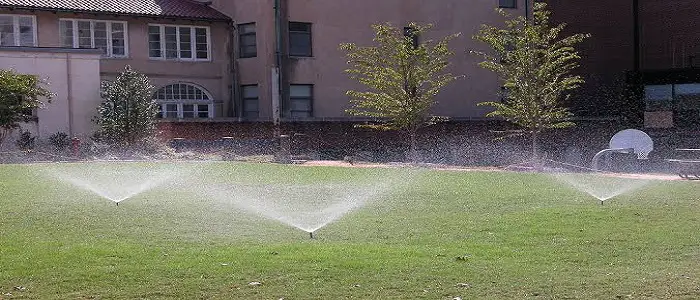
(190, 9)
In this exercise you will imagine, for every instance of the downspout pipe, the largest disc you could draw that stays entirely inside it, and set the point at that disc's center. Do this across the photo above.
(276, 111)
(69, 95)
(235, 105)
(527, 10)
(637, 38)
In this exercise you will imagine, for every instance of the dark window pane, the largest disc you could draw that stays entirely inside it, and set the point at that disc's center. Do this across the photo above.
(185, 42)
(171, 42)
(299, 44)
(300, 91)
(66, 28)
(247, 40)
(507, 3)
(300, 26)
(154, 41)
(300, 39)
(412, 36)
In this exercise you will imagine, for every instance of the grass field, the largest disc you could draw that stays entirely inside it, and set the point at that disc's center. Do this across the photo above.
(435, 235)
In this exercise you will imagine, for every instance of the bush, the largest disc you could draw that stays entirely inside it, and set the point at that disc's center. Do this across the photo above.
(59, 141)
(25, 142)
(127, 114)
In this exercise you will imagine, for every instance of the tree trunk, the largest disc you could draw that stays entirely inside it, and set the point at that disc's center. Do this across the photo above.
(4, 133)
(535, 152)
(413, 152)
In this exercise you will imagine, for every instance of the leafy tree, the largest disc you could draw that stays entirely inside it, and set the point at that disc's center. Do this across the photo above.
(128, 112)
(535, 64)
(20, 94)
(403, 75)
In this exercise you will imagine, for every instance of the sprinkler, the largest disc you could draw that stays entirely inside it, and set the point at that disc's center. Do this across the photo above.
(311, 235)
(117, 203)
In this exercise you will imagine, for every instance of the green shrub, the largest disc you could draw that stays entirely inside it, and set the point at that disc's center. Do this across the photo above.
(60, 141)
(25, 142)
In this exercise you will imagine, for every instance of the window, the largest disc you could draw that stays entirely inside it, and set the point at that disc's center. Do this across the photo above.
(17, 30)
(250, 101)
(246, 40)
(301, 100)
(300, 39)
(658, 97)
(410, 33)
(184, 101)
(508, 3)
(504, 94)
(108, 36)
(179, 42)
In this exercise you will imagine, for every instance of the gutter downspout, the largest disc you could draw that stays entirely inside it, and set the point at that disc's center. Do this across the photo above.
(527, 9)
(276, 87)
(69, 94)
(637, 38)
(235, 108)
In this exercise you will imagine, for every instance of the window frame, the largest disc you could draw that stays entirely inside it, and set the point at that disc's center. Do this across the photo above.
(193, 42)
(16, 28)
(108, 28)
(244, 99)
(309, 33)
(241, 35)
(411, 33)
(310, 98)
(180, 103)
(512, 6)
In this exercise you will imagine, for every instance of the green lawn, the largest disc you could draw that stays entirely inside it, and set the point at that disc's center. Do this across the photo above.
(504, 235)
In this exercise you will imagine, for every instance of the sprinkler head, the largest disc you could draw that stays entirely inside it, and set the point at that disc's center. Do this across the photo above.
(117, 203)
(602, 202)
(311, 235)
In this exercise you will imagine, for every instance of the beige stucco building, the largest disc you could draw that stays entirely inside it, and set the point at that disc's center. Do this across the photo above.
(182, 46)
(74, 76)
(308, 32)
(230, 61)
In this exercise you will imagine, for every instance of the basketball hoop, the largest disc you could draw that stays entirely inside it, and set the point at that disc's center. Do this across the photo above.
(633, 139)
(627, 141)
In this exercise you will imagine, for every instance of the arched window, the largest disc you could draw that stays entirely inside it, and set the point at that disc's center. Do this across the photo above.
(184, 101)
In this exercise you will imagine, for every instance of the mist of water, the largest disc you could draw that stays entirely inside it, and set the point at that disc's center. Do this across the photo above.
(308, 207)
(602, 187)
(116, 182)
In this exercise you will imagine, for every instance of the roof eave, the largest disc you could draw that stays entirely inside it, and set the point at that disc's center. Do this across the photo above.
(109, 13)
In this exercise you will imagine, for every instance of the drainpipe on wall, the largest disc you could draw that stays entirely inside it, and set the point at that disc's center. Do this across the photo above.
(527, 9)
(235, 107)
(637, 39)
(69, 94)
(276, 86)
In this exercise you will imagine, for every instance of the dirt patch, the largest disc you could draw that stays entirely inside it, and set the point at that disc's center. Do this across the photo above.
(441, 167)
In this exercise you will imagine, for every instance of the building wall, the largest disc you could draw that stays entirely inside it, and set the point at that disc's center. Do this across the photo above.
(74, 78)
(212, 75)
(606, 56)
(670, 34)
(336, 22)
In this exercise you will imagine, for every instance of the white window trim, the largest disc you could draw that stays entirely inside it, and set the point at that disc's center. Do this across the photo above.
(193, 43)
(108, 25)
(15, 29)
(181, 111)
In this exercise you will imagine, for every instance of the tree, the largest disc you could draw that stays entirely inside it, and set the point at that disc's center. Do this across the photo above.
(403, 74)
(20, 94)
(128, 112)
(535, 64)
